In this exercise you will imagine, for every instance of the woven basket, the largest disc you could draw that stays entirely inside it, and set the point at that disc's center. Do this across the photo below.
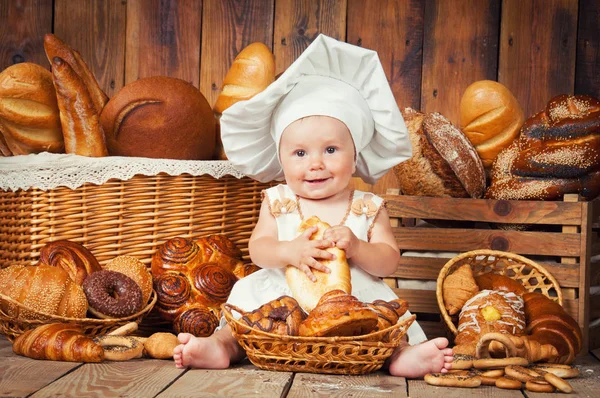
(130, 217)
(350, 355)
(531, 275)
(14, 325)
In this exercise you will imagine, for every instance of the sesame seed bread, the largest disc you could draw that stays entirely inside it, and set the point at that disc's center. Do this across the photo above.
(444, 162)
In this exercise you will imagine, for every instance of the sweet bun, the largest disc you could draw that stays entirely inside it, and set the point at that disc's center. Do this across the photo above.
(136, 270)
(307, 292)
(72, 257)
(161, 345)
(444, 162)
(159, 117)
(490, 117)
(29, 116)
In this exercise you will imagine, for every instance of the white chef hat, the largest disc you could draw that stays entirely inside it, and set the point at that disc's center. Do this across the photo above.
(330, 78)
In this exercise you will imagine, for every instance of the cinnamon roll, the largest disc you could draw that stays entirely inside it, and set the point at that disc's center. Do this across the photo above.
(197, 320)
(173, 292)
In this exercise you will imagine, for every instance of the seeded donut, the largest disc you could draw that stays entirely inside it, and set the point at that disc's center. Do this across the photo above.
(111, 294)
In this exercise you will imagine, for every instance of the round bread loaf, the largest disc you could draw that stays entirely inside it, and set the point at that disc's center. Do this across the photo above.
(444, 162)
(29, 117)
(136, 270)
(159, 117)
(490, 117)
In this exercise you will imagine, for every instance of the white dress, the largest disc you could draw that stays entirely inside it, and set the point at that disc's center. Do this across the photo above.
(265, 285)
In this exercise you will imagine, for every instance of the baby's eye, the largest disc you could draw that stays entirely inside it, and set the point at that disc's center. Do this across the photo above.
(300, 153)
(330, 149)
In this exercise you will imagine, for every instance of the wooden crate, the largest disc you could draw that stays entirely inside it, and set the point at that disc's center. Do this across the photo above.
(561, 236)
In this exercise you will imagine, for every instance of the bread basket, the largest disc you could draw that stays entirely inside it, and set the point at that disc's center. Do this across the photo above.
(528, 273)
(350, 355)
(12, 325)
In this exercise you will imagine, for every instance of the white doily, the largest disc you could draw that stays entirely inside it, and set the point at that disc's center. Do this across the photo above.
(47, 170)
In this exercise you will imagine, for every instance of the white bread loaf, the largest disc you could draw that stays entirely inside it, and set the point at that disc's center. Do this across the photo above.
(29, 117)
(490, 116)
(308, 293)
(444, 163)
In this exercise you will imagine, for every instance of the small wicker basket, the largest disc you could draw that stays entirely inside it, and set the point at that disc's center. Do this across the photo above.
(350, 355)
(22, 319)
(531, 275)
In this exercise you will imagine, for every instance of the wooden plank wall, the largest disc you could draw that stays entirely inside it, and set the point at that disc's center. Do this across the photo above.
(431, 49)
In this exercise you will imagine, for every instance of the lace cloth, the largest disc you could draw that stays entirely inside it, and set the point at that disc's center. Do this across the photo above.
(47, 170)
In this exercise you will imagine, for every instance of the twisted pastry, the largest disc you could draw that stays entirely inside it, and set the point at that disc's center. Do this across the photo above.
(280, 316)
(197, 320)
(388, 312)
(72, 257)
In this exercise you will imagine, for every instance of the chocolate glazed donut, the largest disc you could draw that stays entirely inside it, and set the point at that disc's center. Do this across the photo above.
(111, 294)
(173, 290)
(177, 254)
(213, 283)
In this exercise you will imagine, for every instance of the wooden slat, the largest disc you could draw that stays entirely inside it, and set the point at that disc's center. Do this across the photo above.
(418, 388)
(398, 40)
(227, 27)
(484, 210)
(299, 22)
(134, 378)
(537, 50)
(5, 347)
(587, 78)
(379, 384)
(460, 47)
(97, 30)
(24, 24)
(20, 376)
(462, 240)
(239, 381)
(428, 268)
(163, 38)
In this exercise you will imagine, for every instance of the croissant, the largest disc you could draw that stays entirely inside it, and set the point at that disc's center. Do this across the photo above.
(58, 342)
(308, 292)
(339, 314)
(72, 257)
(458, 287)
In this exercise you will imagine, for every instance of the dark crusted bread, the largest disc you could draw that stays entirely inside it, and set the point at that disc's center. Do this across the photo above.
(444, 162)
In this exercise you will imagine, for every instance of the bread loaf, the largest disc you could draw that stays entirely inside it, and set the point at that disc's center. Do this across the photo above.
(55, 47)
(251, 72)
(29, 117)
(557, 152)
(81, 128)
(490, 117)
(444, 162)
(307, 292)
(72, 257)
(159, 117)
(44, 289)
(58, 342)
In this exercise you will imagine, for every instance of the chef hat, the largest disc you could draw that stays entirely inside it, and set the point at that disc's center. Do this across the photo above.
(330, 78)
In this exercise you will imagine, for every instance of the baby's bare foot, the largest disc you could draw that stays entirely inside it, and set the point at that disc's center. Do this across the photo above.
(200, 352)
(418, 360)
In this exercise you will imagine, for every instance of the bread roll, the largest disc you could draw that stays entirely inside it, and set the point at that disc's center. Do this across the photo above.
(136, 270)
(29, 117)
(159, 117)
(44, 289)
(251, 72)
(72, 257)
(444, 162)
(161, 345)
(490, 117)
(307, 292)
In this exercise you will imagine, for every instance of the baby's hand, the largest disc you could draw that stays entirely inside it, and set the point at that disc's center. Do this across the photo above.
(303, 253)
(343, 238)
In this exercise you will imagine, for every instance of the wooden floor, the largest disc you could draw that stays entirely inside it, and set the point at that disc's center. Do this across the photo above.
(23, 377)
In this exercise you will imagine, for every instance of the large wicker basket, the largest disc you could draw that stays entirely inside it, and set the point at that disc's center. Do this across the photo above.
(130, 217)
(531, 275)
(16, 319)
(349, 355)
